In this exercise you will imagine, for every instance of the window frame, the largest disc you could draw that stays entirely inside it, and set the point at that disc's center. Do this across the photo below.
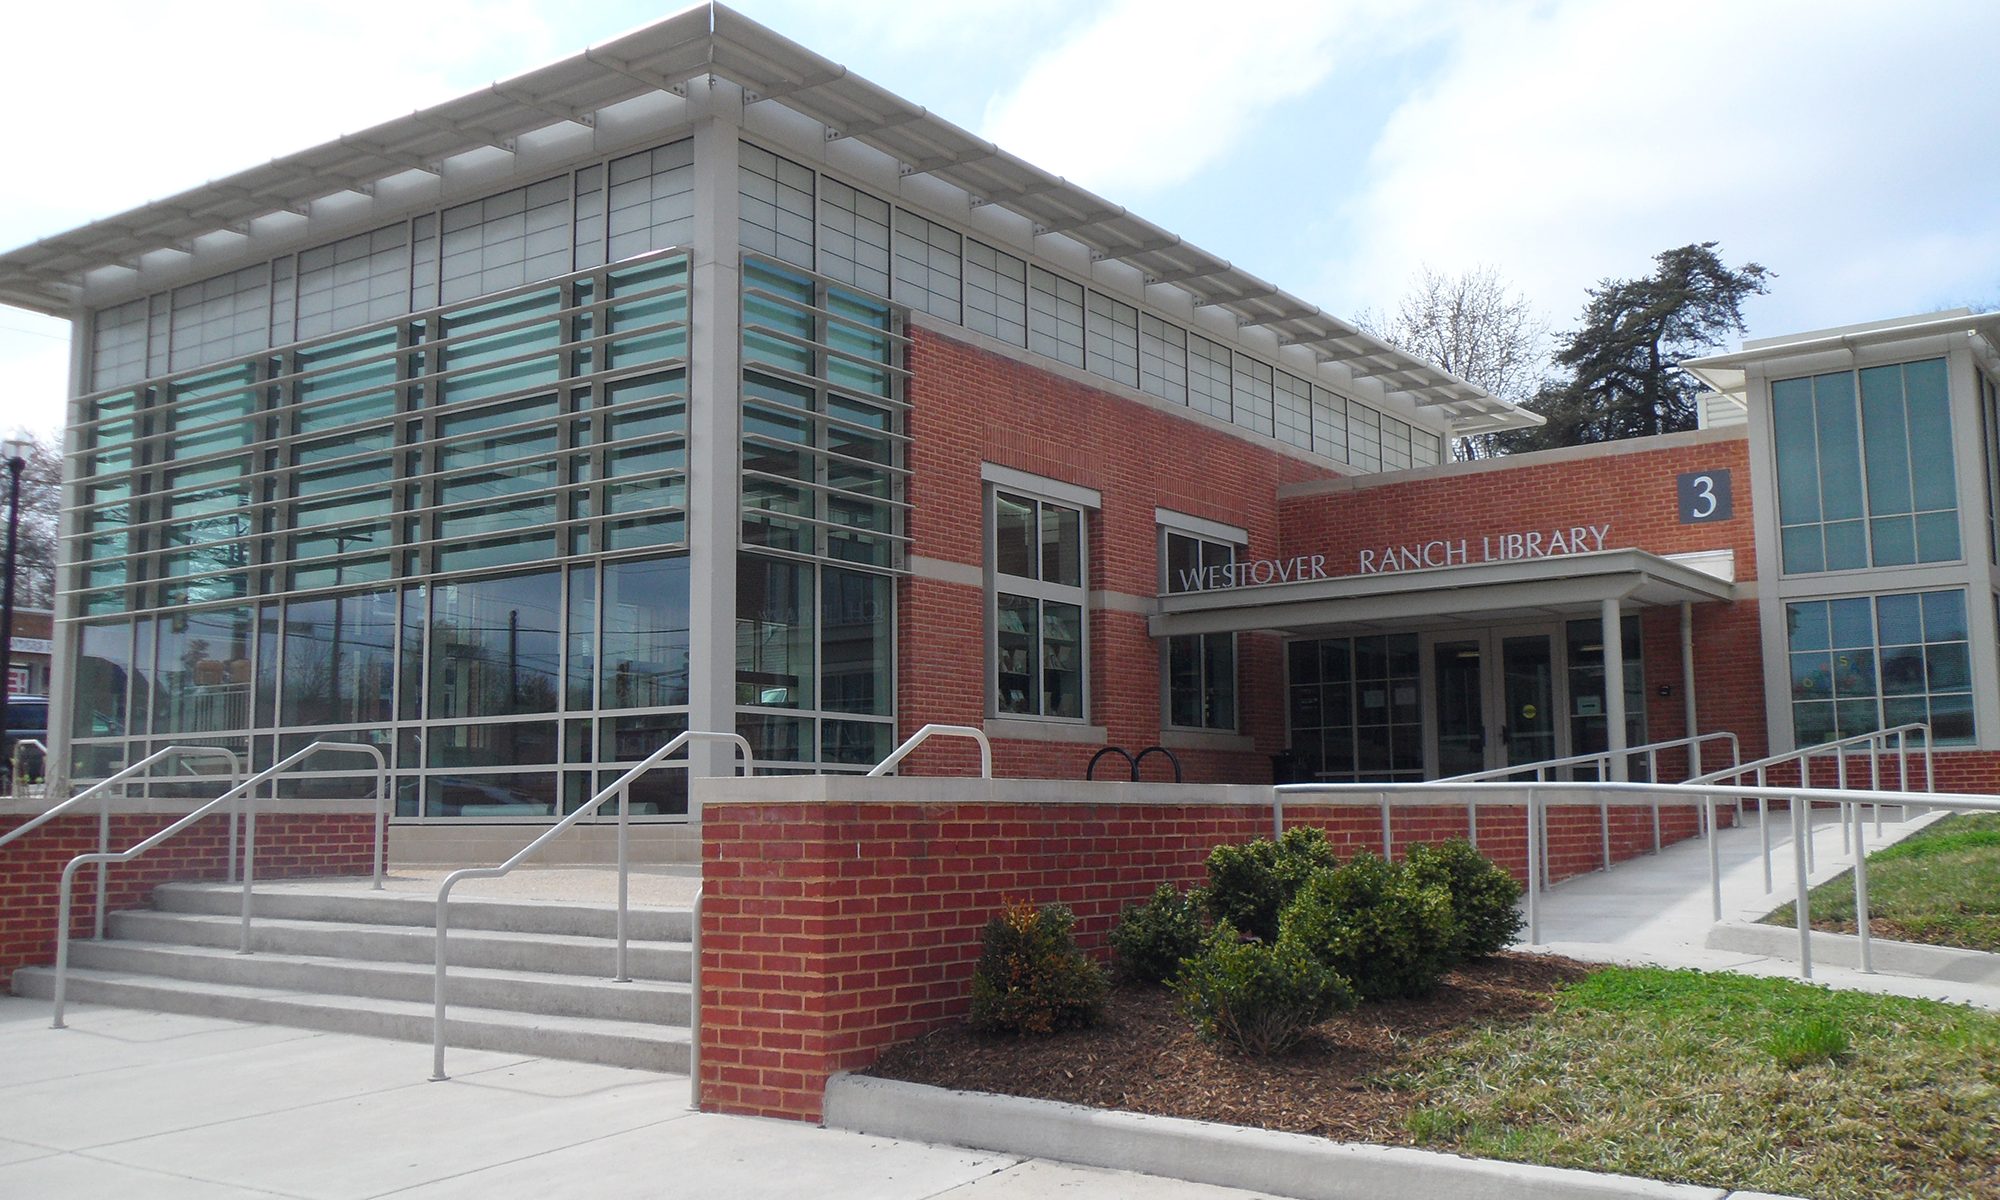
(1204, 534)
(1041, 494)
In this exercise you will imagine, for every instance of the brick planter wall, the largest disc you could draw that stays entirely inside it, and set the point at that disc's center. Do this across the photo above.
(842, 915)
(289, 845)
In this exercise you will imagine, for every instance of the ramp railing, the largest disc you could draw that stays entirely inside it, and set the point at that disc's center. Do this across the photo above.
(930, 731)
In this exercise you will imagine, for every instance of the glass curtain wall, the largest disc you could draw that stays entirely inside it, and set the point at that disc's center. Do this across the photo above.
(457, 535)
(823, 532)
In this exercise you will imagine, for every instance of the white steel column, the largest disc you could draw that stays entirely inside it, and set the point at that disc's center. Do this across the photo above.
(63, 656)
(1614, 687)
(1687, 688)
(713, 434)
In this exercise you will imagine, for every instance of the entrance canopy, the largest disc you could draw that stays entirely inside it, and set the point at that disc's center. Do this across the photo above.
(1486, 592)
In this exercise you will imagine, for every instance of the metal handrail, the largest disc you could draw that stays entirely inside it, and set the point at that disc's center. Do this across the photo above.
(929, 731)
(1540, 795)
(1601, 759)
(1838, 747)
(104, 811)
(620, 787)
(247, 788)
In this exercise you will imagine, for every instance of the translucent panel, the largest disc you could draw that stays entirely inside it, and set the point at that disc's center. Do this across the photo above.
(1395, 444)
(505, 241)
(495, 646)
(1294, 416)
(1253, 395)
(651, 200)
(1329, 425)
(774, 633)
(927, 266)
(854, 237)
(645, 619)
(1364, 437)
(220, 318)
(996, 293)
(355, 281)
(1208, 377)
(775, 206)
(118, 345)
(1162, 359)
(1055, 317)
(1111, 339)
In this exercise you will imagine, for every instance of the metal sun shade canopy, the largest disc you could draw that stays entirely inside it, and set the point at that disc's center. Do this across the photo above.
(664, 57)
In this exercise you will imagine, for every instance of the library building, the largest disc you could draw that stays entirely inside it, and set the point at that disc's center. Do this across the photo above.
(696, 382)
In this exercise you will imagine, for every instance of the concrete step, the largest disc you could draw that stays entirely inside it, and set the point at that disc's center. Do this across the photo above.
(554, 953)
(304, 902)
(477, 987)
(613, 1043)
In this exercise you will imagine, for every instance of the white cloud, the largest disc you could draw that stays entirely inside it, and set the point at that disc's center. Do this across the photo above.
(1151, 92)
(1846, 147)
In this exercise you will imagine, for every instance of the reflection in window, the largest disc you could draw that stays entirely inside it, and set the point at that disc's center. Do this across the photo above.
(1354, 707)
(1875, 662)
(203, 678)
(1201, 668)
(1038, 607)
(340, 665)
(645, 622)
(494, 646)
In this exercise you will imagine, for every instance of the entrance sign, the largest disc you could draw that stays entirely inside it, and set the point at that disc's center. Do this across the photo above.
(1500, 547)
(1704, 496)
(1252, 572)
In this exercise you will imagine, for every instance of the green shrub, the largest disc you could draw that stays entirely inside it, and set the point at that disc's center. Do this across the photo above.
(1387, 932)
(1250, 885)
(1152, 938)
(1031, 977)
(1258, 996)
(1482, 895)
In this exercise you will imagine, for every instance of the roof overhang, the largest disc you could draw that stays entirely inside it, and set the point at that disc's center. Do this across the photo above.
(336, 181)
(1486, 593)
(1729, 373)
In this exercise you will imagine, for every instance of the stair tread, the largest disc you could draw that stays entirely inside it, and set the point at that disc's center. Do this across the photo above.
(401, 899)
(458, 1013)
(426, 932)
(496, 974)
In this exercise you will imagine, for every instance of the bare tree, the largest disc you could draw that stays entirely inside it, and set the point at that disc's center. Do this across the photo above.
(1475, 327)
(41, 500)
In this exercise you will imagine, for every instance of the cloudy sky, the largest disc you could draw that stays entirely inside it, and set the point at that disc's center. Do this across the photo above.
(1332, 146)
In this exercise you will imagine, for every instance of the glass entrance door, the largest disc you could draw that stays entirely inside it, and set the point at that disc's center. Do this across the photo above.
(1457, 680)
(1528, 694)
(1495, 699)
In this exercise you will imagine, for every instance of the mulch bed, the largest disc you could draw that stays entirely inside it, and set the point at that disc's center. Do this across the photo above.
(1145, 1056)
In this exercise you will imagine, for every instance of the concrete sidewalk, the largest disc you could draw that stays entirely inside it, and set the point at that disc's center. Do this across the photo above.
(1656, 910)
(125, 1104)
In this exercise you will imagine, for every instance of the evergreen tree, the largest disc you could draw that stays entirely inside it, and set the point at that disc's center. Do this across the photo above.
(1622, 363)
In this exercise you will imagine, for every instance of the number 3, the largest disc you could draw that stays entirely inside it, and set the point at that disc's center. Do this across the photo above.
(1704, 489)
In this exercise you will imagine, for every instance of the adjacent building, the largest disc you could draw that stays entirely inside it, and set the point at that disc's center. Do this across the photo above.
(694, 381)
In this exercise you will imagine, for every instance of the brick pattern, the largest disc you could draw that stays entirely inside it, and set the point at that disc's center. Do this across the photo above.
(971, 406)
(289, 845)
(832, 930)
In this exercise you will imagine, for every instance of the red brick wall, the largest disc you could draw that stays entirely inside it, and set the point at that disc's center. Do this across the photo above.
(833, 929)
(970, 406)
(288, 846)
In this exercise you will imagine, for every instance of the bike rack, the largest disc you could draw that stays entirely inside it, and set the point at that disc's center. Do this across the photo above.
(1132, 761)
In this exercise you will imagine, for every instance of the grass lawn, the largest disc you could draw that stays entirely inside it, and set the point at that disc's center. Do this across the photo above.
(1729, 1081)
(1940, 886)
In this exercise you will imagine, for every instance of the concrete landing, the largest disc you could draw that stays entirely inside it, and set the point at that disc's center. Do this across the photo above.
(146, 1104)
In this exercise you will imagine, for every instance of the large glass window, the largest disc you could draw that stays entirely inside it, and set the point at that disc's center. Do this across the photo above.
(1039, 606)
(1355, 709)
(645, 620)
(1865, 474)
(1874, 662)
(495, 646)
(1588, 711)
(1201, 668)
(202, 681)
(340, 660)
